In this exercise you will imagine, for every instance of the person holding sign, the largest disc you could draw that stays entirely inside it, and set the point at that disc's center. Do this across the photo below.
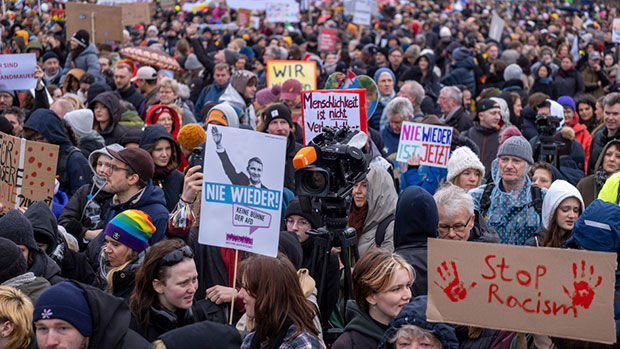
(254, 169)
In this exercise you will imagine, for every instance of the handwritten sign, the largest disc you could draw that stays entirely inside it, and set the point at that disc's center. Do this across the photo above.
(243, 17)
(334, 108)
(106, 19)
(430, 142)
(327, 39)
(136, 13)
(548, 291)
(303, 71)
(282, 11)
(27, 171)
(497, 26)
(242, 191)
(17, 71)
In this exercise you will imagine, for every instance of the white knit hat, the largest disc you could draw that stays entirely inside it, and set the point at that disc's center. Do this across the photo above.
(557, 192)
(462, 159)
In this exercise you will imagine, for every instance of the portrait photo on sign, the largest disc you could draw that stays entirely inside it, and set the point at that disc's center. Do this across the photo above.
(242, 191)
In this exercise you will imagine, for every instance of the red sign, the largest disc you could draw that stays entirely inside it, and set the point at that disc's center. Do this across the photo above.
(327, 39)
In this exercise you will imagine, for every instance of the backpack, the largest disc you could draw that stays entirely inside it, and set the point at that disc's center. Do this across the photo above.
(485, 199)
(380, 232)
(61, 169)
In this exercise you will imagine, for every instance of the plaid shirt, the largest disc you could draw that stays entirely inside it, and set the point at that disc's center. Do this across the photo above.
(303, 341)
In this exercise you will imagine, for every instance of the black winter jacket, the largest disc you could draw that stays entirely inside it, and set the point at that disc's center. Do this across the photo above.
(114, 131)
(73, 218)
(488, 143)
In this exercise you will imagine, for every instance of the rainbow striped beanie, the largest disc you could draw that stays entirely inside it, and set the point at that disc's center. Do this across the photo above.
(132, 228)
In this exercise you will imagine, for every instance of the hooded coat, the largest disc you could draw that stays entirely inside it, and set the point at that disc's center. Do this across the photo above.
(74, 172)
(361, 330)
(151, 119)
(431, 81)
(87, 60)
(73, 265)
(411, 232)
(114, 132)
(600, 139)
(131, 95)
(32, 286)
(462, 73)
(510, 213)
(171, 184)
(234, 98)
(381, 198)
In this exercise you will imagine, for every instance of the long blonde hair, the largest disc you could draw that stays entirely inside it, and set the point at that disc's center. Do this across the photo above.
(16, 308)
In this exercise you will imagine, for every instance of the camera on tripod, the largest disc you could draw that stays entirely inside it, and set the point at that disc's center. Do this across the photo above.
(547, 125)
(546, 148)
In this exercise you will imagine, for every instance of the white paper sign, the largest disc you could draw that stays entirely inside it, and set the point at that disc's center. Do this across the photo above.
(17, 71)
(497, 26)
(430, 142)
(242, 190)
(246, 4)
(282, 11)
(615, 33)
(362, 14)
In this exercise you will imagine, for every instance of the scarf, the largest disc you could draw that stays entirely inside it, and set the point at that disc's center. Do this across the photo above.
(384, 100)
(277, 341)
(545, 81)
(357, 217)
(161, 173)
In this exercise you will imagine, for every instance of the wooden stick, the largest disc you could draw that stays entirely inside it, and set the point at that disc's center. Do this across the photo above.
(234, 286)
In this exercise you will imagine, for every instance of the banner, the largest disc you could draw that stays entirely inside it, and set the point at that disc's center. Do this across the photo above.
(549, 291)
(57, 14)
(430, 142)
(106, 19)
(17, 71)
(327, 39)
(303, 71)
(362, 14)
(282, 11)
(243, 17)
(246, 4)
(334, 108)
(136, 13)
(28, 171)
(242, 190)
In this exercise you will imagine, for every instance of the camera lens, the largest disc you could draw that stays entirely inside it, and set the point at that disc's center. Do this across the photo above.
(314, 181)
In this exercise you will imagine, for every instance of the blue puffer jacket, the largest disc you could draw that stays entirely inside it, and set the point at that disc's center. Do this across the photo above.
(48, 124)
(87, 61)
(511, 214)
(426, 177)
(462, 74)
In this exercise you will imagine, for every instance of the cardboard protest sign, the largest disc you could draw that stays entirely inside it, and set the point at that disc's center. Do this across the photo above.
(17, 71)
(242, 190)
(243, 17)
(303, 71)
(136, 13)
(548, 291)
(28, 171)
(334, 108)
(327, 39)
(497, 26)
(282, 11)
(362, 14)
(108, 25)
(167, 4)
(430, 142)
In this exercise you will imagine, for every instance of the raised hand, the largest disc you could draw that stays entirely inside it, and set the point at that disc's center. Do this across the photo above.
(453, 287)
(583, 286)
(217, 137)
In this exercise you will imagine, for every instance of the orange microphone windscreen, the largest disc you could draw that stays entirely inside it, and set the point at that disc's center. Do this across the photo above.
(304, 157)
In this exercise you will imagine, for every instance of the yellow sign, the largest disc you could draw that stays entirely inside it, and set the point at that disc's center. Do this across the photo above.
(303, 71)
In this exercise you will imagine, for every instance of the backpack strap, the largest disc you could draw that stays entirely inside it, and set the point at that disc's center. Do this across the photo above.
(485, 199)
(61, 169)
(380, 232)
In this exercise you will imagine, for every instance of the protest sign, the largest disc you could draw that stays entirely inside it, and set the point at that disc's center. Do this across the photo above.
(327, 39)
(28, 171)
(362, 14)
(430, 142)
(57, 14)
(246, 4)
(167, 4)
(615, 37)
(549, 291)
(497, 26)
(333, 108)
(255, 22)
(242, 190)
(282, 11)
(106, 20)
(17, 71)
(136, 13)
(303, 71)
(243, 17)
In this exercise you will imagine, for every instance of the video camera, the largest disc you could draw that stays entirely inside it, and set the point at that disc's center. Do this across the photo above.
(547, 125)
(546, 149)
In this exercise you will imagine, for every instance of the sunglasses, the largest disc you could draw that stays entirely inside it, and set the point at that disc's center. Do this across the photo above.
(176, 256)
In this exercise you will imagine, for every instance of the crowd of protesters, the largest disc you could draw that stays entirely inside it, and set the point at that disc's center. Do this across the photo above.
(115, 261)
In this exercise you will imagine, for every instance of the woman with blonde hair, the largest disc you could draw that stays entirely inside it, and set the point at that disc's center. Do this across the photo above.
(465, 169)
(381, 287)
(16, 319)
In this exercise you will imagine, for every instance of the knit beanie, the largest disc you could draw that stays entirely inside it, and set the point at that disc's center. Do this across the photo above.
(294, 208)
(567, 100)
(513, 72)
(290, 90)
(65, 301)
(81, 37)
(277, 111)
(191, 135)
(462, 159)
(132, 228)
(12, 260)
(49, 55)
(224, 114)
(240, 79)
(289, 244)
(231, 57)
(516, 146)
(192, 63)
(17, 228)
(509, 132)
(81, 121)
(460, 54)
(268, 95)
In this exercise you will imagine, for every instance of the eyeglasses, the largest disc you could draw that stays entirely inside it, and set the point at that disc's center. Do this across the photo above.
(458, 227)
(176, 256)
(300, 222)
(114, 168)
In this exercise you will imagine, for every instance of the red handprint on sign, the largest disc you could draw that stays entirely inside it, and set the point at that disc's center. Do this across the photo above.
(584, 291)
(455, 289)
